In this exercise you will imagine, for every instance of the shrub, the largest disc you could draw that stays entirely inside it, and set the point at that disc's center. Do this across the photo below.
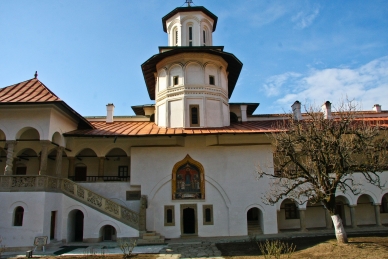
(276, 249)
(127, 246)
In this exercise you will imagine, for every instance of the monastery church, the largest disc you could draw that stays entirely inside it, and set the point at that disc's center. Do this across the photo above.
(183, 166)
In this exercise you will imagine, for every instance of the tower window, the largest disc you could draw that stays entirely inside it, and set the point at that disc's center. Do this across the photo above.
(175, 36)
(194, 115)
(204, 37)
(176, 80)
(211, 80)
(190, 36)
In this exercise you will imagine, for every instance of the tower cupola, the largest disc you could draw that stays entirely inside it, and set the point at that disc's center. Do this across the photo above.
(191, 80)
(190, 26)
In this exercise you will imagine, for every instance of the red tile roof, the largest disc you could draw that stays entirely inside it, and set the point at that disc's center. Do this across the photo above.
(129, 128)
(138, 129)
(30, 91)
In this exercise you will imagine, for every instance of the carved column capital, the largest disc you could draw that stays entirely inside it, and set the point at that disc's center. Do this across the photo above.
(9, 163)
(43, 157)
(58, 160)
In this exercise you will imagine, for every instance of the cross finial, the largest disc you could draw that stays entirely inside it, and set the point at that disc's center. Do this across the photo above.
(36, 75)
(188, 2)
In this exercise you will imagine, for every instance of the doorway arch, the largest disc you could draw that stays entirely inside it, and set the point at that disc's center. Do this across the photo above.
(108, 233)
(75, 226)
(254, 221)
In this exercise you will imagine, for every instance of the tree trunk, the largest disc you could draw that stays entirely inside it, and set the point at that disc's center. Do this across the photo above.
(340, 233)
(339, 229)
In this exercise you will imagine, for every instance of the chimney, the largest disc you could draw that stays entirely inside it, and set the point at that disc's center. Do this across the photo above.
(377, 108)
(109, 112)
(326, 109)
(243, 109)
(296, 110)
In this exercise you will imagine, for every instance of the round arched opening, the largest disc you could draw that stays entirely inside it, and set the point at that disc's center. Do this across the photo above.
(108, 233)
(343, 210)
(27, 162)
(75, 226)
(28, 134)
(365, 212)
(116, 165)
(255, 221)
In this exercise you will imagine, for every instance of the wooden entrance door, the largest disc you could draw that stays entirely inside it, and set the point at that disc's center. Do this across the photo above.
(189, 221)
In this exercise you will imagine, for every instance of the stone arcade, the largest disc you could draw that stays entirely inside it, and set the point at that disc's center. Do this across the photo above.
(183, 166)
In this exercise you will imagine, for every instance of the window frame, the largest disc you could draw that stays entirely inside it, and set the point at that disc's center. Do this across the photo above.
(175, 80)
(191, 107)
(212, 80)
(204, 208)
(190, 36)
(291, 211)
(122, 167)
(166, 209)
(17, 219)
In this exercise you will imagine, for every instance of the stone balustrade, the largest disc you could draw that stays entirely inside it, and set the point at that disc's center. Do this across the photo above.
(38, 183)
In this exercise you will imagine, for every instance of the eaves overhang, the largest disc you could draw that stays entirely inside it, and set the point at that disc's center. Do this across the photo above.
(149, 67)
(82, 122)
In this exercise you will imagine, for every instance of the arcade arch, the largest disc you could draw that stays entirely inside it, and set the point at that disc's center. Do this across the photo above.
(365, 211)
(26, 162)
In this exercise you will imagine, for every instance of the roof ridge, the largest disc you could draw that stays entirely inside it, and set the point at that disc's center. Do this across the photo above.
(32, 90)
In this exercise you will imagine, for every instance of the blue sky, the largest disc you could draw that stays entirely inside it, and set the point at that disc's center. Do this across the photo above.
(89, 52)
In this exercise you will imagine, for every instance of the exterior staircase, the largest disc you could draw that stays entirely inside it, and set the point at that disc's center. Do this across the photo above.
(150, 238)
(75, 191)
(254, 228)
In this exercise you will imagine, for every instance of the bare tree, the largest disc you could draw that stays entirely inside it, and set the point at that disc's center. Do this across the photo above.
(319, 155)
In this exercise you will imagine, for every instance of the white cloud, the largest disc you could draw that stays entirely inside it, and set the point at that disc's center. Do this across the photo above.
(304, 19)
(273, 85)
(367, 84)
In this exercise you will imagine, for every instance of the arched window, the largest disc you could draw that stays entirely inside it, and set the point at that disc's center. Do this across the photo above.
(175, 36)
(18, 216)
(188, 180)
(190, 36)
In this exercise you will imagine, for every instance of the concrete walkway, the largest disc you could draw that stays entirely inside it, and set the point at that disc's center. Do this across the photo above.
(193, 247)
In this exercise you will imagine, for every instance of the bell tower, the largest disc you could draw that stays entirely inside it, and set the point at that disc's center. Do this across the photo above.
(191, 80)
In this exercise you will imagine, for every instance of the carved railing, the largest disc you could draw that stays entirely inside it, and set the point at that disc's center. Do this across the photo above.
(95, 178)
(73, 190)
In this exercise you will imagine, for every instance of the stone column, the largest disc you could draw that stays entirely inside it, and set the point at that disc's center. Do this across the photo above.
(329, 221)
(377, 214)
(101, 161)
(58, 162)
(43, 157)
(9, 163)
(71, 169)
(353, 215)
(302, 218)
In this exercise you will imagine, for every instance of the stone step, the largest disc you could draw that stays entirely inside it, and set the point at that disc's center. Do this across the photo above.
(150, 242)
(148, 233)
(151, 237)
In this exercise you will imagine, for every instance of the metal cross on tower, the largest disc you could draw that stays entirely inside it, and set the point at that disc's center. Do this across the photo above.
(188, 2)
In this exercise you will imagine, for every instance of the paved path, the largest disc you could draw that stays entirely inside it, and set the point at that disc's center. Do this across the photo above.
(194, 247)
(190, 250)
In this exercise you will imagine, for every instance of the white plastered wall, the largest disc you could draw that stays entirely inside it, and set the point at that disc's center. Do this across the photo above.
(37, 218)
(229, 173)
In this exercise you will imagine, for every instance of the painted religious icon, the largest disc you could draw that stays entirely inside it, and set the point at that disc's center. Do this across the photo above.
(188, 183)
